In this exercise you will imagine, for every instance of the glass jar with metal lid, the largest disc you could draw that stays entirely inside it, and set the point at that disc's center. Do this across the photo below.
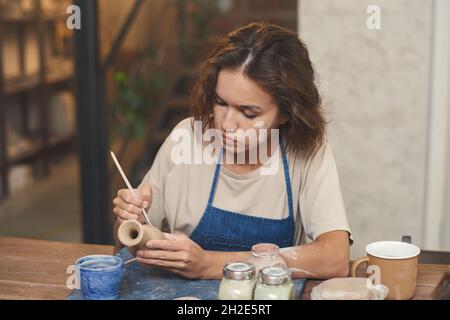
(265, 255)
(238, 281)
(274, 283)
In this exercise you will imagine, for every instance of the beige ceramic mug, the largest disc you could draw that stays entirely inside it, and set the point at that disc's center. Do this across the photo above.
(393, 264)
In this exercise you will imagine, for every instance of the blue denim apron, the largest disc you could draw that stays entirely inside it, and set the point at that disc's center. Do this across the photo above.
(223, 230)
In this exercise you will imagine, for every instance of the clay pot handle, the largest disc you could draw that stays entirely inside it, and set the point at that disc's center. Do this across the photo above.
(357, 263)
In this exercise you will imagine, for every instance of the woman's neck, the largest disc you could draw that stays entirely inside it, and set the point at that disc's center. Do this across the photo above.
(241, 168)
(233, 163)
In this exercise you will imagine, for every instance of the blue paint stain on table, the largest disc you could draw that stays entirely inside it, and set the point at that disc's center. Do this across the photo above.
(141, 282)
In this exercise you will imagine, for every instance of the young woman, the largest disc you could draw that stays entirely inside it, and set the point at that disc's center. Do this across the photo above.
(259, 77)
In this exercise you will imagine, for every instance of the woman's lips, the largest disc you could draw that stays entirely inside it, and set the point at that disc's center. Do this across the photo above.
(229, 140)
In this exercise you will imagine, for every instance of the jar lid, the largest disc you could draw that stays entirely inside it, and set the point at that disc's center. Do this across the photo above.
(275, 275)
(265, 249)
(239, 271)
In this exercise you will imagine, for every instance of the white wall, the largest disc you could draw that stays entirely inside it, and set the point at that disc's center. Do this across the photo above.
(446, 219)
(438, 142)
(376, 86)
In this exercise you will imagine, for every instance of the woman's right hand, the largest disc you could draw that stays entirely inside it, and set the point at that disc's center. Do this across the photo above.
(127, 206)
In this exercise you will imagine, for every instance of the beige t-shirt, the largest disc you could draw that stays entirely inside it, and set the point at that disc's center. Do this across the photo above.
(181, 191)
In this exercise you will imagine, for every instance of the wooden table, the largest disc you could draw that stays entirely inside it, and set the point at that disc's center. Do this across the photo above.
(428, 277)
(36, 269)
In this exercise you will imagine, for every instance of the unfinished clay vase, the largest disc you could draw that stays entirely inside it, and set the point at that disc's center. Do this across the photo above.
(134, 235)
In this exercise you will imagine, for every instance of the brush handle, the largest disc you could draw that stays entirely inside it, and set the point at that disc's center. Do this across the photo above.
(124, 177)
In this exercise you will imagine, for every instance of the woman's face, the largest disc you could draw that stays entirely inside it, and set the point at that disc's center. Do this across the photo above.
(242, 106)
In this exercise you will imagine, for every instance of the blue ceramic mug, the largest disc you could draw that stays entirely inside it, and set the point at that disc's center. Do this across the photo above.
(99, 276)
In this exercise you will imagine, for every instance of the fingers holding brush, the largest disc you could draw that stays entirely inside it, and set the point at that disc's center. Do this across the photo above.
(128, 206)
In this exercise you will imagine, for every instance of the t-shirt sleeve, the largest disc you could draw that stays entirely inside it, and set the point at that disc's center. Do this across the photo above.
(156, 177)
(321, 203)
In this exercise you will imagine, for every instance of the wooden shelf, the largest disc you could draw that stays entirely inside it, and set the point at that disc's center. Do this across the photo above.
(55, 76)
(56, 141)
(54, 17)
(53, 71)
(38, 148)
(28, 83)
(18, 19)
(30, 18)
(21, 84)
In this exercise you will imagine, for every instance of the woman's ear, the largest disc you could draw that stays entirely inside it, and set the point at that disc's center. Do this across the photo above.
(283, 120)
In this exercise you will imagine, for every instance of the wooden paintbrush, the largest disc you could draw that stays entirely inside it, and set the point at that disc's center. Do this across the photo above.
(128, 184)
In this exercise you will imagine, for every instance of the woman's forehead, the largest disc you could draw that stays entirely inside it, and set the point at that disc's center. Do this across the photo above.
(236, 88)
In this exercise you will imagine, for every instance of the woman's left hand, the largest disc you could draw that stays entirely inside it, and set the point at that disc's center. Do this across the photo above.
(178, 253)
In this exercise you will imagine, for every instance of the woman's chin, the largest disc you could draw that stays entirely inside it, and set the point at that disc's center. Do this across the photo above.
(234, 149)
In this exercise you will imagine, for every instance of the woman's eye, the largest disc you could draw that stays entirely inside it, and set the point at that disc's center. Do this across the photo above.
(249, 116)
(221, 103)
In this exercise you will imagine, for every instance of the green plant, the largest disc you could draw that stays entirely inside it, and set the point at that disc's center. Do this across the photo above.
(138, 87)
(137, 94)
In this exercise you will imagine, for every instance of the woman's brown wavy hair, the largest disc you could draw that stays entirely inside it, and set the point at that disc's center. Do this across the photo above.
(278, 61)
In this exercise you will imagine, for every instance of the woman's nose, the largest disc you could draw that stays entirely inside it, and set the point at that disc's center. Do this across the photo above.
(230, 121)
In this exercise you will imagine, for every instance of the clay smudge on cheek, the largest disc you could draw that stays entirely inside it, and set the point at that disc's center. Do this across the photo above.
(259, 125)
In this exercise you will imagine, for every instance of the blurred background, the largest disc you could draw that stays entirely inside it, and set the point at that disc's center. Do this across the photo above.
(122, 82)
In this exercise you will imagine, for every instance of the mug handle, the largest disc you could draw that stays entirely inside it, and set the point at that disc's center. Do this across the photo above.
(357, 263)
